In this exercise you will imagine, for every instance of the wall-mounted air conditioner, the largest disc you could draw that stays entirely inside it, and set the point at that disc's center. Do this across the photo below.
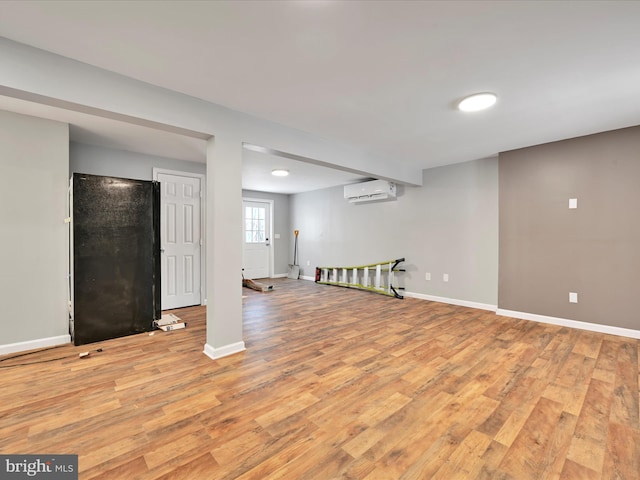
(373, 191)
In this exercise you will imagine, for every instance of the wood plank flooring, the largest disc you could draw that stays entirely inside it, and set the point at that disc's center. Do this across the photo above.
(336, 383)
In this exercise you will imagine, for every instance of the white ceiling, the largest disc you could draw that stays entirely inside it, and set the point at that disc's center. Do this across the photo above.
(383, 74)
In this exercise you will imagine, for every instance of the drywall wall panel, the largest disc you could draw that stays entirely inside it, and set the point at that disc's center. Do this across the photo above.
(447, 226)
(548, 250)
(224, 246)
(34, 167)
(110, 162)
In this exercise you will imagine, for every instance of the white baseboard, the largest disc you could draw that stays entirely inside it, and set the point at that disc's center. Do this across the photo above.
(280, 275)
(452, 301)
(33, 344)
(564, 322)
(592, 327)
(215, 353)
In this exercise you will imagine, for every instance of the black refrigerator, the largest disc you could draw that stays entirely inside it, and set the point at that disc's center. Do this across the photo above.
(115, 257)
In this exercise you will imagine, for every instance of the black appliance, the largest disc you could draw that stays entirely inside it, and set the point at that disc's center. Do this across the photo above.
(115, 257)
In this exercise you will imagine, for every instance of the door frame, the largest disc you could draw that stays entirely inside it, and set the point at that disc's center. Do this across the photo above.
(203, 229)
(271, 236)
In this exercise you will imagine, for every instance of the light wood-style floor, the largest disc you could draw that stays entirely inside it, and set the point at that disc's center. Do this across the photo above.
(336, 383)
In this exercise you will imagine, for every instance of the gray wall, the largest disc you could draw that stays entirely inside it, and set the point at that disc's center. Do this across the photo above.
(548, 250)
(34, 166)
(281, 226)
(120, 163)
(449, 225)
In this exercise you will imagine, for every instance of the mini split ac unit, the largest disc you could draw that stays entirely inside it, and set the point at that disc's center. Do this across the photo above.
(373, 191)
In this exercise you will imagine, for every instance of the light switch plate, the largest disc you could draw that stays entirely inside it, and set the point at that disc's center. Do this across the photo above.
(573, 297)
(573, 203)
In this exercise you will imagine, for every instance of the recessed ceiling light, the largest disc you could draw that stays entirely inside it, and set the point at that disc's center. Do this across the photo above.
(280, 172)
(477, 102)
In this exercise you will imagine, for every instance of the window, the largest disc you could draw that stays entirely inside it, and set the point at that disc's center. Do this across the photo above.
(254, 224)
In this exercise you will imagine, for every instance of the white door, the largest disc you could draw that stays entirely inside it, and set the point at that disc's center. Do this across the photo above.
(180, 240)
(256, 218)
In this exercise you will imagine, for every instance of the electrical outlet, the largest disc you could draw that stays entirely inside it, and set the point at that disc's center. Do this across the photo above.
(573, 297)
(427, 276)
(308, 262)
(573, 203)
(445, 277)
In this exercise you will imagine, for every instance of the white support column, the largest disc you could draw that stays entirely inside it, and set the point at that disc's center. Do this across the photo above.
(224, 246)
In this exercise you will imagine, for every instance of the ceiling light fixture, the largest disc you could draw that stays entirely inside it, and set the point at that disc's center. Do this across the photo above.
(477, 102)
(280, 172)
